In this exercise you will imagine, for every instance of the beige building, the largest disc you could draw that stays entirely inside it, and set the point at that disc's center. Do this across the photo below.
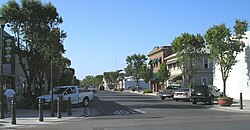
(204, 74)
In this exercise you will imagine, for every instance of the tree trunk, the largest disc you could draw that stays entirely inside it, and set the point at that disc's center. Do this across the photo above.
(224, 87)
(224, 79)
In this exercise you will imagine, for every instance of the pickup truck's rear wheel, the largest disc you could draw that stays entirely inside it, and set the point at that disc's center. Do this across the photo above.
(85, 102)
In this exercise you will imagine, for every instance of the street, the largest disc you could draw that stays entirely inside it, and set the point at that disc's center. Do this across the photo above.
(128, 111)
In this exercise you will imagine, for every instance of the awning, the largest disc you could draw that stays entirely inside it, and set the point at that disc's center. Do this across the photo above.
(156, 60)
(150, 62)
(175, 77)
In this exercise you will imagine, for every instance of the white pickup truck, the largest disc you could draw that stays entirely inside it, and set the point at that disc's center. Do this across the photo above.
(76, 94)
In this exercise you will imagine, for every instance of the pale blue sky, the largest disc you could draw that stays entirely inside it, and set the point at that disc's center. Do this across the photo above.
(102, 33)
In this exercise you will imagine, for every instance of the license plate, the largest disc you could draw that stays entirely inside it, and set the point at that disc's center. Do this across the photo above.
(198, 93)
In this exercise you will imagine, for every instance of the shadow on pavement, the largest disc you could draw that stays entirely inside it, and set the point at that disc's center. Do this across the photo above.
(112, 108)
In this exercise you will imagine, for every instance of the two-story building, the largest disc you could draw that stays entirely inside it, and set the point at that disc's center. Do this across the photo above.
(204, 74)
(156, 58)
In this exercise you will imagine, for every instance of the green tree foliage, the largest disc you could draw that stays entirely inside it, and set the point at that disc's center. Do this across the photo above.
(188, 49)
(92, 80)
(135, 64)
(128, 70)
(146, 72)
(163, 74)
(225, 46)
(111, 77)
(39, 40)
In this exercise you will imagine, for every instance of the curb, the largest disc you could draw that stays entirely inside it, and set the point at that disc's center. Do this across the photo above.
(230, 110)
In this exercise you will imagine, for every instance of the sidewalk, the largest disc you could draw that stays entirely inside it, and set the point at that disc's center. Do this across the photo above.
(235, 107)
(29, 117)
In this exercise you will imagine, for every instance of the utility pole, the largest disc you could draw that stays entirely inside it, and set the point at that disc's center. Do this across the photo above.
(51, 87)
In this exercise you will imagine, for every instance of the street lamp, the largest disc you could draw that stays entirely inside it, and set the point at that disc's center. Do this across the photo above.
(3, 20)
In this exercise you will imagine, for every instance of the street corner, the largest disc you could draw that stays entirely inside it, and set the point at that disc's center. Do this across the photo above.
(233, 108)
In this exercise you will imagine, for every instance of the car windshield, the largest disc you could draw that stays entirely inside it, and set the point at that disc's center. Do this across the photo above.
(58, 90)
(173, 87)
(184, 90)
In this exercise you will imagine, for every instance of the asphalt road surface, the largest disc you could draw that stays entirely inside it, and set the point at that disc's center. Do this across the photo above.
(127, 111)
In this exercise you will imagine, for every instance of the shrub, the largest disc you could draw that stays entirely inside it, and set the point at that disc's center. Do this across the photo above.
(147, 91)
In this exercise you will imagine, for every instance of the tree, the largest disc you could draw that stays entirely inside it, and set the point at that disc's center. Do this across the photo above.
(33, 23)
(135, 65)
(128, 70)
(111, 78)
(225, 46)
(92, 80)
(188, 49)
(163, 74)
(146, 73)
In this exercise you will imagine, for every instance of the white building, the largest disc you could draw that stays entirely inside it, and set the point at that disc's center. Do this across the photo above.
(239, 79)
(129, 82)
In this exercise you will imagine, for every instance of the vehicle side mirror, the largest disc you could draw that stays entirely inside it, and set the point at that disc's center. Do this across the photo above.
(217, 90)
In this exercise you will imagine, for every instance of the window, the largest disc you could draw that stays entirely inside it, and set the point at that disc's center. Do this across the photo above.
(69, 91)
(204, 80)
(73, 90)
(205, 63)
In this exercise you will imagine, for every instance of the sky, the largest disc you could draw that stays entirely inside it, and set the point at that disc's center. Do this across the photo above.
(102, 33)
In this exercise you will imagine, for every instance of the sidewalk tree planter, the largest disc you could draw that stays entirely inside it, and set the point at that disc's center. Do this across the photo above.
(225, 101)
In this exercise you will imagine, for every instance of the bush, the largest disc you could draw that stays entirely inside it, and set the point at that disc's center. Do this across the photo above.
(147, 91)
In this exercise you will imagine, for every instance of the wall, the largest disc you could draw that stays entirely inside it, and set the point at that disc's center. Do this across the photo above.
(238, 80)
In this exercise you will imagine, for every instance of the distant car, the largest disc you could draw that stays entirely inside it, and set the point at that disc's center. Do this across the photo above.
(182, 94)
(204, 93)
(92, 88)
(169, 92)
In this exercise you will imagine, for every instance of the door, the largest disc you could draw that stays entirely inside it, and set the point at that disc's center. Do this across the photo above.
(71, 92)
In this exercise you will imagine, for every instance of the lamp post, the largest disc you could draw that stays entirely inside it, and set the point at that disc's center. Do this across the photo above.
(2, 23)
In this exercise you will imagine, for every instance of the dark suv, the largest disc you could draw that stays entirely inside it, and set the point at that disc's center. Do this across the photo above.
(201, 93)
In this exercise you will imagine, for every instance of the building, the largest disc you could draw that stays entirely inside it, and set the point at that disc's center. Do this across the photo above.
(9, 75)
(130, 83)
(239, 78)
(204, 74)
(156, 58)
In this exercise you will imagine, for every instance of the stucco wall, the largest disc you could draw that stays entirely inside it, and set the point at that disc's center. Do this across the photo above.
(238, 81)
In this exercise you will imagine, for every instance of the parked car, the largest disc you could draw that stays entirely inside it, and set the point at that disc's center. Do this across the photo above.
(168, 92)
(76, 94)
(204, 93)
(182, 94)
(92, 88)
